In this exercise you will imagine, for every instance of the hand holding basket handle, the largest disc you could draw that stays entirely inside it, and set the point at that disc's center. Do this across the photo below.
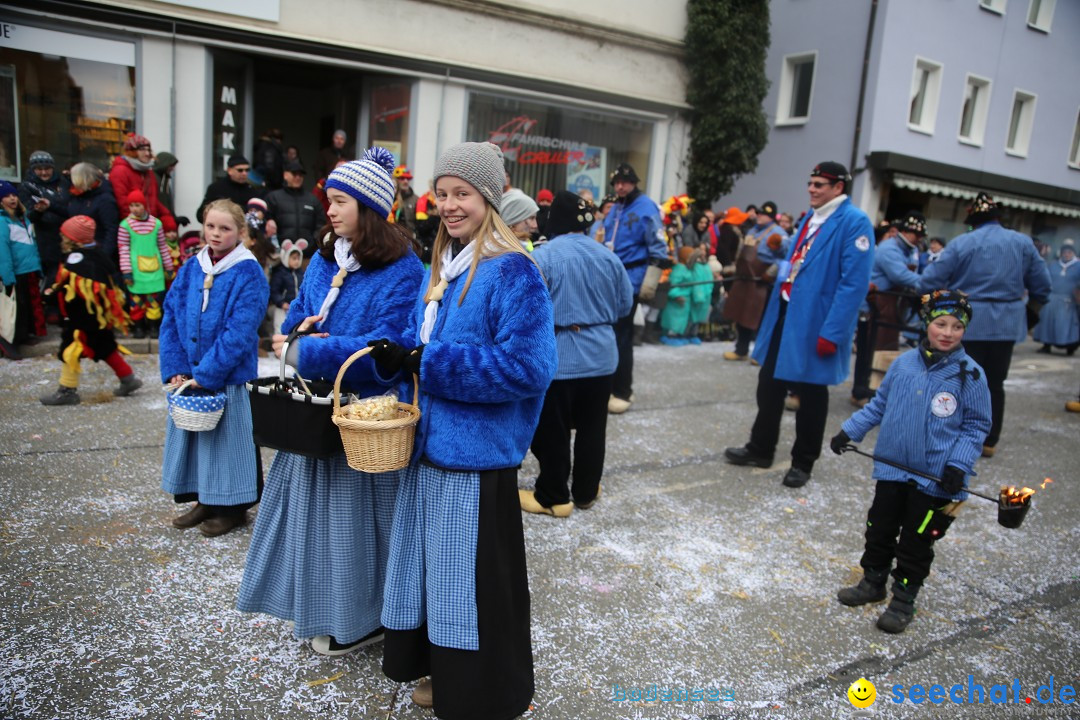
(392, 357)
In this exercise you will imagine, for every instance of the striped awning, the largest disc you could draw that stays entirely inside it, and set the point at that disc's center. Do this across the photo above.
(947, 189)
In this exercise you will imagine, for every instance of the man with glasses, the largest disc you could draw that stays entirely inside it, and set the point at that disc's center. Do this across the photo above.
(234, 186)
(804, 342)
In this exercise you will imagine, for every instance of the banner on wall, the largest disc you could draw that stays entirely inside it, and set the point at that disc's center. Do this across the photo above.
(588, 172)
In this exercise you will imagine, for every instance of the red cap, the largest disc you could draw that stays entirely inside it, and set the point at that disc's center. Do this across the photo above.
(134, 142)
(79, 229)
(545, 195)
(136, 196)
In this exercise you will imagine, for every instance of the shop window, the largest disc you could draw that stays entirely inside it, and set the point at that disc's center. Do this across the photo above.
(1040, 14)
(1020, 123)
(389, 118)
(1074, 149)
(925, 88)
(557, 147)
(994, 6)
(77, 109)
(796, 89)
(976, 105)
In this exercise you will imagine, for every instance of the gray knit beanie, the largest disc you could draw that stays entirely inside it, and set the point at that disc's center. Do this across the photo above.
(479, 164)
(517, 206)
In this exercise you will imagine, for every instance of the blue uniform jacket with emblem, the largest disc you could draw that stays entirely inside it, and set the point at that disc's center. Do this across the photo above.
(825, 299)
(372, 304)
(930, 417)
(487, 365)
(764, 252)
(218, 347)
(892, 262)
(993, 265)
(637, 232)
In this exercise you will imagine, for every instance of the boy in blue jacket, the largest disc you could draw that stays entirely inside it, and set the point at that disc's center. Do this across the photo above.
(934, 411)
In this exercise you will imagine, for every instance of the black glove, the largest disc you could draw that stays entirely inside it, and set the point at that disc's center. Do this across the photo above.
(183, 221)
(838, 442)
(411, 363)
(387, 355)
(952, 480)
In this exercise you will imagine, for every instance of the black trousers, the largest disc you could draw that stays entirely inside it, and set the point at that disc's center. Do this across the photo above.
(810, 418)
(580, 403)
(904, 511)
(226, 510)
(864, 355)
(994, 356)
(623, 385)
(496, 681)
(743, 336)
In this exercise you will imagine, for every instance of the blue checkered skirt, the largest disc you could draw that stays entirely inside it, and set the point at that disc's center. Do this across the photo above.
(431, 574)
(217, 464)
(318, 553)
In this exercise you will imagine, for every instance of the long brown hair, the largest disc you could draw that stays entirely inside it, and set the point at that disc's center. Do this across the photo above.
(495, 238)
(377, 242)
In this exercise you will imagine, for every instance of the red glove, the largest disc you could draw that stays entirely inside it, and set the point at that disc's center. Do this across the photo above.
(825, 348)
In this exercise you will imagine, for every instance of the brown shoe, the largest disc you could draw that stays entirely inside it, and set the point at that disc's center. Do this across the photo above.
(192, 517)
(422, 695)
(988, 451)
(1073, 406)
(221, 524)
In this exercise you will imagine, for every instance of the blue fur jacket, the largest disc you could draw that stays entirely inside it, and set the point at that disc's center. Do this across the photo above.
(485, 371)
(372, 304)
(218, 347)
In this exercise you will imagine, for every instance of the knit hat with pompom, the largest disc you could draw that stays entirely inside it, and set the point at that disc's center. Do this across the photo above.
(369, 179)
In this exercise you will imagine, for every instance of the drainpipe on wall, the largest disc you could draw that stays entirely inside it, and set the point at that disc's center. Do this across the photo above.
(862, 90)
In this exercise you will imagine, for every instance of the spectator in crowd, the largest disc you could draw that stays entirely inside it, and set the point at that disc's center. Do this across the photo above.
(404, 211)
(729, 235)
(427, 223)
(934, 246)
(602, 210)
(20, 266)
(804, 341)
(543, 201)
(994, 266)
(234, 186)
(42, 193)
(785, 221)
(91, 194)
(269, 163)
(1059, 324)
(756, 264)
(292, 154)
(590, 291)
(164, 168)
(688, 299)
(144, 261)
(293, 214)
(134, 170)
(333, 155)
(285, 281)
(518, 211)
(696, 232)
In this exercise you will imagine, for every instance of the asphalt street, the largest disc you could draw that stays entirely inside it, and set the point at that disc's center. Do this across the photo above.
(688, 575)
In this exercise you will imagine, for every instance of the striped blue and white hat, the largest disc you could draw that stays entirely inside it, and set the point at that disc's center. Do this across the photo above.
(368, 179)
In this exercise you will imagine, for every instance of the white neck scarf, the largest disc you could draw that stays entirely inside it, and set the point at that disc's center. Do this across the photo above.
(1066, 265)
(237, 255)
(346, 264)
(449, 268)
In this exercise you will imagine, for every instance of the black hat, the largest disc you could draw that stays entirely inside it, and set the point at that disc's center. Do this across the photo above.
(295, 167)
(945, 302)
(235, 160)
(623, 171)
(913, 222)
(609, 198)
(832, 171)
(769, 208)
(569, 213)
(982, 210)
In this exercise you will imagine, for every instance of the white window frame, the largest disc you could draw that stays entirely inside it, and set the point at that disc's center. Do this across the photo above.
(1044, 15)
(928, 118)
(995, 6)
(1074, 147)
(787, 77)
(982, 110)
(1024, 123)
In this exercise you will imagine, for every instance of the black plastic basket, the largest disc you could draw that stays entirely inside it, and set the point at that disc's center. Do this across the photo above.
(294, 416)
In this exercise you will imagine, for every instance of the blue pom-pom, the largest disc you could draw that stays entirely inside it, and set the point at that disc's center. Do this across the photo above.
(381, 156)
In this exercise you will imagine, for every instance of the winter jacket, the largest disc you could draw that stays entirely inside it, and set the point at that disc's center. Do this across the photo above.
(18, 253)
(225, 188)
(993, 266)
(285, 284)
(99, 203)
(825, 300)
(892, 265)
(298, 215)
(162, 162)
(930, 418)
(488, 364)
(635, 231)
(125, 178)
(47, 222)
(220, 346)
(372, 304)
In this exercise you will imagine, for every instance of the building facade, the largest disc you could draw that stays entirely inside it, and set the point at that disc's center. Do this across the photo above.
(956, 97)
(568, 92)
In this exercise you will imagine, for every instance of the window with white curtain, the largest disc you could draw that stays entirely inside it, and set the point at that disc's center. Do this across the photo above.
(925, 89)
(1041, 14)
(1021, 122)
(973, 114)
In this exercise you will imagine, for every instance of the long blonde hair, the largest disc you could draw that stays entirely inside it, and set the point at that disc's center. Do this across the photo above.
(495, 238)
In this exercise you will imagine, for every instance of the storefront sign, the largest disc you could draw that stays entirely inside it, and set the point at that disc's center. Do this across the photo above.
(517, 142)
(229, 84)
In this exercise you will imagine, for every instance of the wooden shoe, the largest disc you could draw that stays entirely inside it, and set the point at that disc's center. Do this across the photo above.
(197, 514)
(791, 402)
(617, 406)
(988, 451)
(221, 524)
(422, 695)
(734, 356)
(329, 646)
(1073, 406)
(527, 499)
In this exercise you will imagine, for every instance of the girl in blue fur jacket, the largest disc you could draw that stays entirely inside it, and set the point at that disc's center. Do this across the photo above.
(934, 411)
(318, 555)
(457, 595)
(209, 333)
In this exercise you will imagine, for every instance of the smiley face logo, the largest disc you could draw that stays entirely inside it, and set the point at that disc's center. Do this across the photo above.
(862, 693)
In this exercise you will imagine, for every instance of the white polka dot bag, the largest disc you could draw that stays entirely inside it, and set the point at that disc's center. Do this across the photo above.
(197, 411)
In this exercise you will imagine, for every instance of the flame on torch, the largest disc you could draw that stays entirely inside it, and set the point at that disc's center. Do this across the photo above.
(1010, 495)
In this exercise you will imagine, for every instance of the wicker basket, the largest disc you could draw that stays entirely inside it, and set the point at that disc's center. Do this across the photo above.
(195, 413)
(376, 445)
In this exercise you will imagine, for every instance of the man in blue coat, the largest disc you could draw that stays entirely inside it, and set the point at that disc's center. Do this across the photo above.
(993, 266)
(804, 342)
(635, 231)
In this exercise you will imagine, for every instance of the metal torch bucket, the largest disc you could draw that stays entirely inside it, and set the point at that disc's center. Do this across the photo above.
(1010, 514)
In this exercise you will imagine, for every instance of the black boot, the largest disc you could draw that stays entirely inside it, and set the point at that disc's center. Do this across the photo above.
(901, 610)
(138, 329)
(871, 589)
